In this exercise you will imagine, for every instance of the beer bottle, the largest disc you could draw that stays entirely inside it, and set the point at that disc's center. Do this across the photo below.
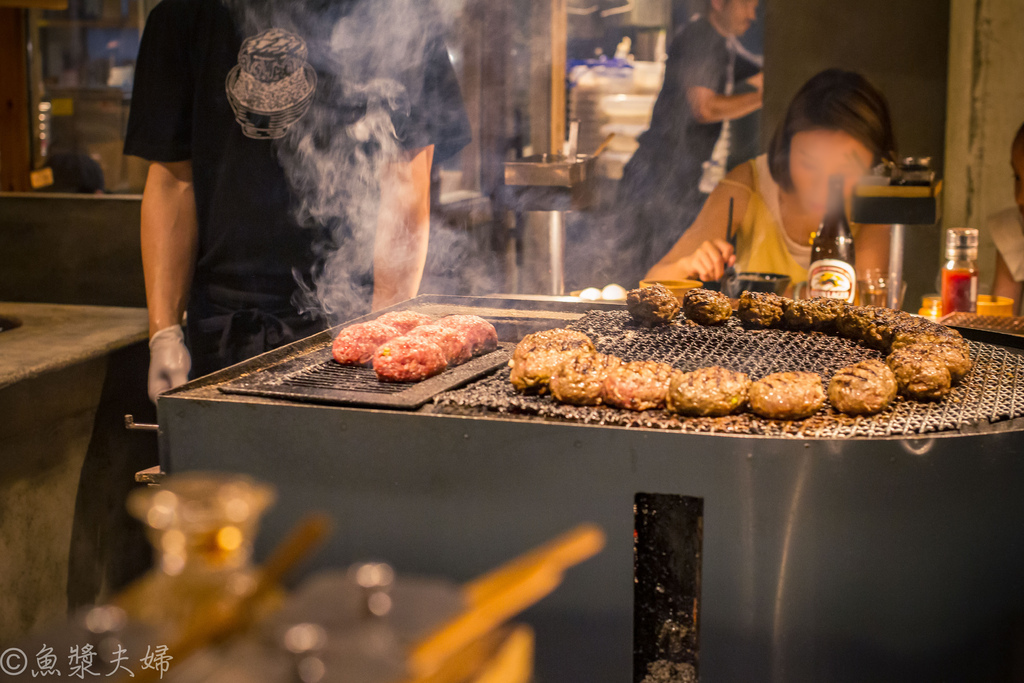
(832, 258)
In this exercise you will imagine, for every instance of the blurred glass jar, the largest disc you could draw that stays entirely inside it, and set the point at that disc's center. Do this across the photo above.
(202, 527)
(873, 288)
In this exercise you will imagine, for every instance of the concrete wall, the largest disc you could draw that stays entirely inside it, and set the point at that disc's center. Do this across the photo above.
(71, 249)
(902, 47)
(986, 105)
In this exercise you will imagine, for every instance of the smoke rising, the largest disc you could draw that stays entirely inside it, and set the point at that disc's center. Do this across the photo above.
(369, 56)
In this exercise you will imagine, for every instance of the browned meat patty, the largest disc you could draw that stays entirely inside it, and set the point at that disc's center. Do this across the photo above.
(870, 325)
(864, 388)
(787, 395)
(356, 344)
(539, 354)
(761, 309)
(480, 335)
(920, 374)
(453, 342)
(404, 321)
(406, 359)
(578, 380)
(817, 315)
(921, 331)
(954, 356)
(640, 385)
(708, 392)
(705, 307)
(650, 306)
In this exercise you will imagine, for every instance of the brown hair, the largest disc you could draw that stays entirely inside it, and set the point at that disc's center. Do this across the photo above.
(834, 99)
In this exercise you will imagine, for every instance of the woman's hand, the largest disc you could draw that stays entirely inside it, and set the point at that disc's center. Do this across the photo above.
(709, 261)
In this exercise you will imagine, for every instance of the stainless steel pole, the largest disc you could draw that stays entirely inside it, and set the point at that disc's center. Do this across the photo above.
(894, 285)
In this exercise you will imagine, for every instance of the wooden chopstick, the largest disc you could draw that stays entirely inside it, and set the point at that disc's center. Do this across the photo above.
(501, 594)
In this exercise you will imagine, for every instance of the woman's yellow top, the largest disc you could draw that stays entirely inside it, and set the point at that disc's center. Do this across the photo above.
(762, 245)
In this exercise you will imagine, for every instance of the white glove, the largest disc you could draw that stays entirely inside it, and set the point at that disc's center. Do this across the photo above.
(169, 361)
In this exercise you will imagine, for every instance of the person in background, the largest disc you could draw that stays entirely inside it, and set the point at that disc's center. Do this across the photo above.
(1007, 230)
(226, 230)
(683, 154)
(838, 123)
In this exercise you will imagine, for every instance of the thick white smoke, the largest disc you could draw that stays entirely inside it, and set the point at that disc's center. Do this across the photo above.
(334, 155)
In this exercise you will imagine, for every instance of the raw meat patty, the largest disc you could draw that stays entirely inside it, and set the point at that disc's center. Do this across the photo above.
(408, 360)
(356, 344)
(405, 321)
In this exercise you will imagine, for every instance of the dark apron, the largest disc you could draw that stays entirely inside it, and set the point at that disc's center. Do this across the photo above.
(227, 326)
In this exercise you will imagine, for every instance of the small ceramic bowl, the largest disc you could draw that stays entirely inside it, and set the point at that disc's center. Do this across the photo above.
(679, 288)
(758, 282)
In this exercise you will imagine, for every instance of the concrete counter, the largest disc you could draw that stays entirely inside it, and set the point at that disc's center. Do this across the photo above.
(53, 337)
(68, 374)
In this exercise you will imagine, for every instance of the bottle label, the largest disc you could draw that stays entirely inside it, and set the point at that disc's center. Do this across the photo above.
(833, 279)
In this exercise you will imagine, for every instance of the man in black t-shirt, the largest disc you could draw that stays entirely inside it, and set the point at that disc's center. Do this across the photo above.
(661, 190)
(290, 146)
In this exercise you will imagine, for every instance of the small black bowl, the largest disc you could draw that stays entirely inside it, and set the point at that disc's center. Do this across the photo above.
(757, 282)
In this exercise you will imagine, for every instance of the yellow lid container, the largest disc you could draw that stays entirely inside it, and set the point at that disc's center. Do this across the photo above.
(995, 305)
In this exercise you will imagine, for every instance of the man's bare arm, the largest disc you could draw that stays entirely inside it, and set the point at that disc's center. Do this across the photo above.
(403, 229)
(710, 107)
(170, 236)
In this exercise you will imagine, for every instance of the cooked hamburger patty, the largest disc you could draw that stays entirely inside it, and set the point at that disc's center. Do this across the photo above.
(955, 357)
(356, 344)
(870, 325)
(539, 354)
(787, 395)
(404, 321)
(760, 309)
(650, 306)
(406, 359)
(640, 385)
(708, 392)
(863, 388)
(806, 315)
(920, 374)
(578, 380)
(705, 307)
(921, 331)
(453, 342)
(480, 335)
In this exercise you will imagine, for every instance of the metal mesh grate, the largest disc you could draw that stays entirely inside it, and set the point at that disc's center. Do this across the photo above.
(993, 391)
(986, 322)
(331, 375)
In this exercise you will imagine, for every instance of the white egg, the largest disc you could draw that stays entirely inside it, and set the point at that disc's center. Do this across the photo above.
(590, 294)
(613, 293)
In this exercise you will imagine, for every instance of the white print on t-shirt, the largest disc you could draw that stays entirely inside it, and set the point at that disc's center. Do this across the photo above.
(272, 85)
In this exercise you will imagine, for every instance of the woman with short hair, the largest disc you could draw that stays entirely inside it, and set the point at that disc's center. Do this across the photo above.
(838, 123)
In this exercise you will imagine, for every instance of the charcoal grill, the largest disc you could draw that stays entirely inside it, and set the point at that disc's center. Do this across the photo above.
(994, 390)
(839, 549)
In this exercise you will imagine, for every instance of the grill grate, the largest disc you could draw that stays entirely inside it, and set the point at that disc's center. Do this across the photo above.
(996, 323)
(993, 391)
(316, 378)
(331, 375)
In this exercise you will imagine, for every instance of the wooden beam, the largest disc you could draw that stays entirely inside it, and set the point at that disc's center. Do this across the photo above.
(36, 4)
(15, 149)
(548, 51)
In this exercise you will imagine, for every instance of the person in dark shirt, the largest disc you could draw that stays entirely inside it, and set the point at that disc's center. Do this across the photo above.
(290, 146)
(677, 163)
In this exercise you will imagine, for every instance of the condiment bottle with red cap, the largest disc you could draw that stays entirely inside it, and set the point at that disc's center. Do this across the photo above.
(960, 274)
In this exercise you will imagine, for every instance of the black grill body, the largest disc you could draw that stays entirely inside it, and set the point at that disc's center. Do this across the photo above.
(841, 558)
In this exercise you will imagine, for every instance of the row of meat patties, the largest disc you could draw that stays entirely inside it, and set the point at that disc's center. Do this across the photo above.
(405, 346)
(924, 360)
